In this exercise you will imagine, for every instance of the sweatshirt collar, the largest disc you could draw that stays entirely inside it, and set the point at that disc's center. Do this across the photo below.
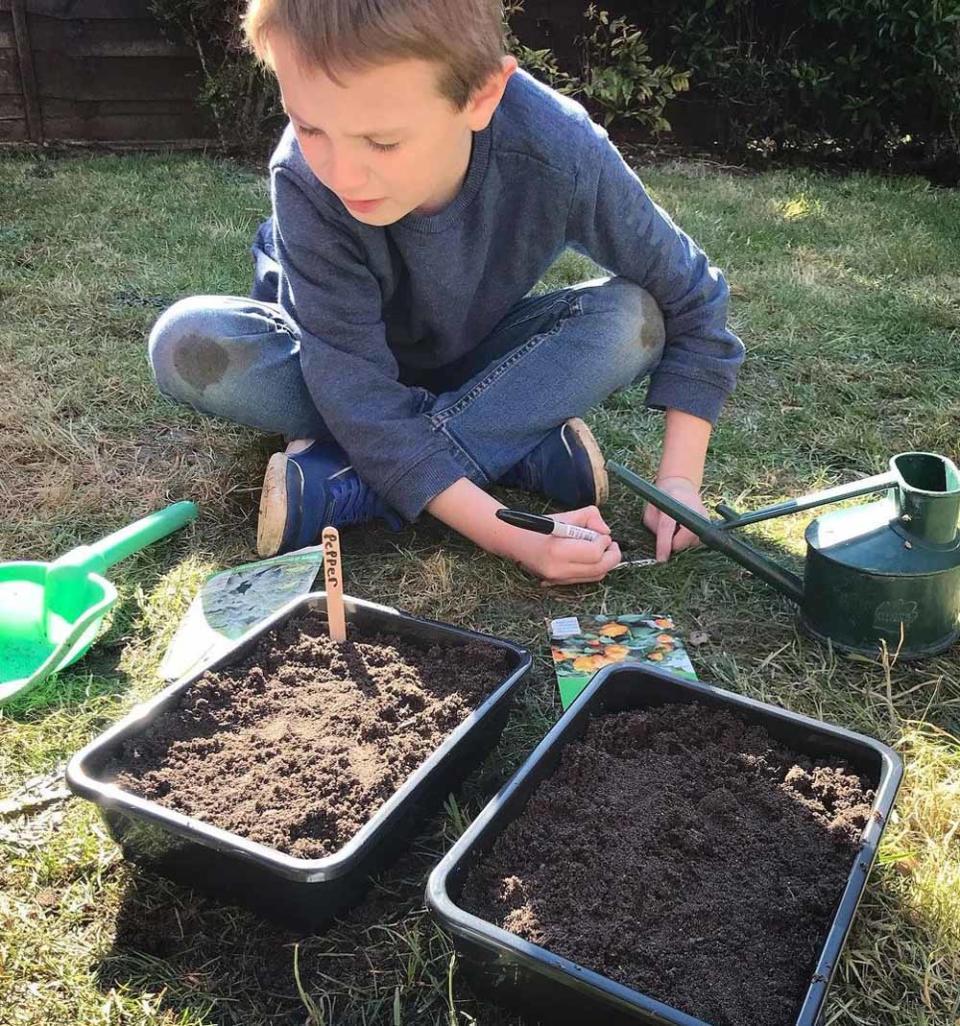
(450, 214)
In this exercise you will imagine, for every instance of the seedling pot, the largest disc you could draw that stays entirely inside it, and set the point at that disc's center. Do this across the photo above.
(304, 893)
(547, 988)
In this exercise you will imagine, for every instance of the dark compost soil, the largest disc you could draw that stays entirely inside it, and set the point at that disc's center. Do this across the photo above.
(686, 854)
(298, 744)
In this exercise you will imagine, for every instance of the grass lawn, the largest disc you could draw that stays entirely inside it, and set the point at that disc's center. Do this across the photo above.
(846, 293)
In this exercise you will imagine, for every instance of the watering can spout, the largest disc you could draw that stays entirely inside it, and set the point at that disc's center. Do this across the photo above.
(713, 535)
(928, 496)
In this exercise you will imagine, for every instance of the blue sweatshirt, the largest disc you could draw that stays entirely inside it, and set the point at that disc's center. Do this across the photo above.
(423, 291)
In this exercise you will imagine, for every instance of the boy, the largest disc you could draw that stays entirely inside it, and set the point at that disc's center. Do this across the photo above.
(422, 187)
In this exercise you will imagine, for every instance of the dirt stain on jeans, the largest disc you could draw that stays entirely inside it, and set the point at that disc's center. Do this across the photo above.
(201, 361)
(652, 329)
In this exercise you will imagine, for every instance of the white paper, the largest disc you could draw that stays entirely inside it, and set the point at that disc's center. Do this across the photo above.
(564, 627)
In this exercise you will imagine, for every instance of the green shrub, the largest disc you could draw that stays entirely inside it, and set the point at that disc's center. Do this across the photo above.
(618, 76)
(863, 76)
(541, 63)
(241, 96)
(619, 80)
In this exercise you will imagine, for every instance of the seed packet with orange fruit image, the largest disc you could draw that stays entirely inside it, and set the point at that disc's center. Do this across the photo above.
(581, 645)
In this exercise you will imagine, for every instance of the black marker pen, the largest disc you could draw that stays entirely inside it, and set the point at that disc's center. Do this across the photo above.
(545, 525)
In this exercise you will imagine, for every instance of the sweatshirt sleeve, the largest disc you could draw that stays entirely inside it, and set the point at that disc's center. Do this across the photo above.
(614, 221)
(350, 371)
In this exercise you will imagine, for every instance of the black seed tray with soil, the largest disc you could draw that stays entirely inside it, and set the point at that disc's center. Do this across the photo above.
(293, 769)
(296, 745)
(671, 853)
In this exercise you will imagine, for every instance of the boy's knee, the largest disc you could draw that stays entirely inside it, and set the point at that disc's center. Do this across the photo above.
(645, 327)
(185, 354)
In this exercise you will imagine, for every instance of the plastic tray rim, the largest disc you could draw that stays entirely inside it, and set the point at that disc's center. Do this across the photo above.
(328, 867)
(537, 958)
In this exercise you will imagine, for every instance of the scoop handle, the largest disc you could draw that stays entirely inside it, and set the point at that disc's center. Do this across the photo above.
(139, 535)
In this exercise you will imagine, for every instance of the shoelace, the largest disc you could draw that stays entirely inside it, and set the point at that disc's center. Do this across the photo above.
(350, 497)
(352, 501)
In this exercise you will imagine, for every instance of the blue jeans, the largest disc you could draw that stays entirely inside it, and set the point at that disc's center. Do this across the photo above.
(552, 357)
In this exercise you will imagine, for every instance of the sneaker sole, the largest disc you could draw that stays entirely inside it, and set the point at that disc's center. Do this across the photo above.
(272, 522)
(598, 465)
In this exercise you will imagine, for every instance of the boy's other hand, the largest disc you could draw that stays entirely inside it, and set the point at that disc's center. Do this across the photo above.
(566, 560)
(670, 537)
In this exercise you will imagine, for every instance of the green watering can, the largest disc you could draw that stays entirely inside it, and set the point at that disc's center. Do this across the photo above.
(887, 571)
(50, 612)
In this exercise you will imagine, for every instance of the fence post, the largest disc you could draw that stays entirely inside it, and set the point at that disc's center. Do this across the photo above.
(28, 80)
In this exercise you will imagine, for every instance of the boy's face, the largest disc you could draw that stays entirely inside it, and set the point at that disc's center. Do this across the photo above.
(383, 139)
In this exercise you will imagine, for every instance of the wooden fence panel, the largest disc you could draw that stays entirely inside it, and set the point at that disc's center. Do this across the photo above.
(114, 10)
(95, 70)
(132, 37)
(13, 119)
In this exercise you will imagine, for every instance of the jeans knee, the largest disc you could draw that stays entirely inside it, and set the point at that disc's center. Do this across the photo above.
(632, 332)
(644, 330)
(185, 354)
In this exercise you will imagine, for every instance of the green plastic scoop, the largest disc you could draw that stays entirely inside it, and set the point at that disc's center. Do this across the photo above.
(50, 612)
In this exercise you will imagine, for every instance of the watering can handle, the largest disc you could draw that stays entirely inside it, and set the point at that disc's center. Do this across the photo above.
(139, 535)
(714, 535)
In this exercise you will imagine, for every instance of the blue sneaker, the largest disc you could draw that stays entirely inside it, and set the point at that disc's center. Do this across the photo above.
(567, 467)
(305, 492)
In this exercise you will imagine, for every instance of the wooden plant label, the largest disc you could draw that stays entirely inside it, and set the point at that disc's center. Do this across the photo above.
(333, 578)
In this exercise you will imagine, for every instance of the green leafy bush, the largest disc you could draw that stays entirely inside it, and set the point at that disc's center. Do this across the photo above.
(866, 77)
(618, 74)
(542, 63)
(241, 96)
(618, 80)
(616, 77)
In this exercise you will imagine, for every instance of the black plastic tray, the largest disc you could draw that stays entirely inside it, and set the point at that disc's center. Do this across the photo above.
(547, 988)
(299, 892)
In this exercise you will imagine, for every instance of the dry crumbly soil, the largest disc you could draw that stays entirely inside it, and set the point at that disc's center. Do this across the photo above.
(298, 744)
(685, 854)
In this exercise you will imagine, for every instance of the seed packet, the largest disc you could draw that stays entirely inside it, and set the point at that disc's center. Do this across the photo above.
(232, 601)
(581, 645)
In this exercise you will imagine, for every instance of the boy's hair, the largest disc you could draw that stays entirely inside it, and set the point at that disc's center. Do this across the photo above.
(465, 37)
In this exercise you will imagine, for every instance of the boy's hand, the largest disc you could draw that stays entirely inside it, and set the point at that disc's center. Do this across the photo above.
(670, 537)
(468, 509)
(566, 560)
